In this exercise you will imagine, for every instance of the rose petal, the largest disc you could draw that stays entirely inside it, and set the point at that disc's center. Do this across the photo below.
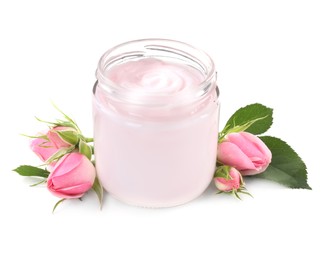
(230, 154)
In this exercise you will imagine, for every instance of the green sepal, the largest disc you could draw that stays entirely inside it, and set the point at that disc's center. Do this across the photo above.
(31, 171)
(223, 172)
(46, 122)
(38, 183)
(70, 120)
(97, 187)
(244, 191)
(286, 166)
(56, 204)
(88, 139)
(60, 122)
(235, 193)
(60, 153)
(237, 128)
(85, 149)
(36, 136)
(255, 118)
(68, 136)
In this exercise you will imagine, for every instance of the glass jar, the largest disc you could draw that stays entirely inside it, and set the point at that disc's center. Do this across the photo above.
(155, 149)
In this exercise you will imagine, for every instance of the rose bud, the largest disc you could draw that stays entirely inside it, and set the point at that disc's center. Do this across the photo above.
(244, 151)
(72, 176)
(53, 140)
(62, 136)
(43, 148)
(227, 179)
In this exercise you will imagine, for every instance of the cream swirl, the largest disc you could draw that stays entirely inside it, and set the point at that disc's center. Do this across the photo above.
(154, 76)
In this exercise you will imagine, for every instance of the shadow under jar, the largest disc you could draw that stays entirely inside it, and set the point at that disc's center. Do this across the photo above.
(155, 110)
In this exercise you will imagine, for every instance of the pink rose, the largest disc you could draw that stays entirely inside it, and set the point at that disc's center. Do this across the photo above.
(72, 176)
(44, 147)
(57, 140)
(230, 182)
(244, 151)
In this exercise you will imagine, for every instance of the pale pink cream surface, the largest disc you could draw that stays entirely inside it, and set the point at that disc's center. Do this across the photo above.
(155, 156)
(151, 75)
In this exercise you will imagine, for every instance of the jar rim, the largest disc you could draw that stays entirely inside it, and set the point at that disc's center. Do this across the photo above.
(199, 57)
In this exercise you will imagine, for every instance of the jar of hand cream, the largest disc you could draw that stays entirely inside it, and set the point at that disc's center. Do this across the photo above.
(156, 110)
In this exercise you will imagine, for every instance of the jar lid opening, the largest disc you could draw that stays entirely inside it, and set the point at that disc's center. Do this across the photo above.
(162, 49)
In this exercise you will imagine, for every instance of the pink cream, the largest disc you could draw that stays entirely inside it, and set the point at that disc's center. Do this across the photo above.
(155, 143)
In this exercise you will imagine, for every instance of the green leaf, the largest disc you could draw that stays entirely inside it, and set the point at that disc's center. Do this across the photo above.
(85, 149)
(27, 170)
(97, 187)
(69, 136)
(256, 119)
(286, 167)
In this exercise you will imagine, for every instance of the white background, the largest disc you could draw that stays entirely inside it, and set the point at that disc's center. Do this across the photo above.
(265, 51)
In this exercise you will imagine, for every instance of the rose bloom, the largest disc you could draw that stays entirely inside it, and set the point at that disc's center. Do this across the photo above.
(233, 182)
(245, 152)
(72, 176)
